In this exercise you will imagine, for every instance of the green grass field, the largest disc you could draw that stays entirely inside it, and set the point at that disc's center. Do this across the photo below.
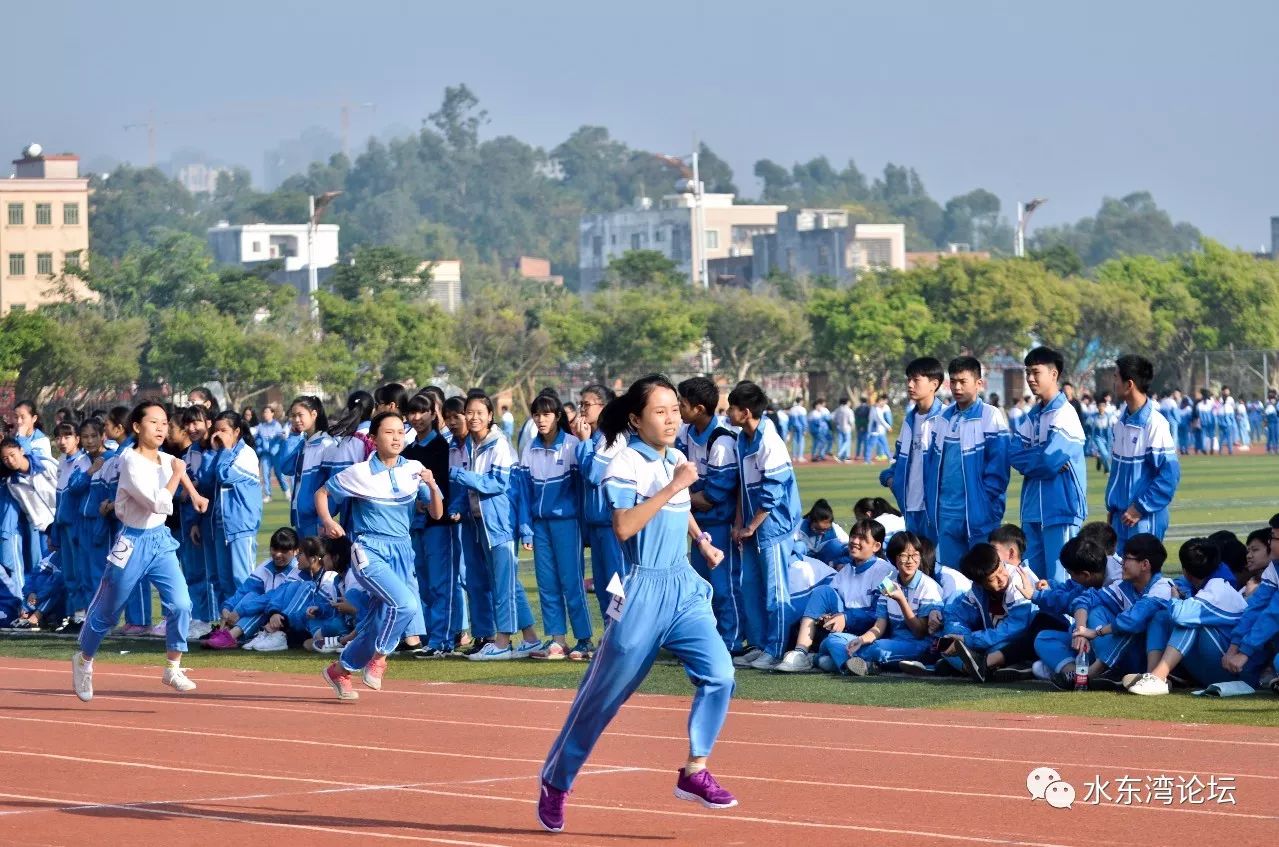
(1216, 493)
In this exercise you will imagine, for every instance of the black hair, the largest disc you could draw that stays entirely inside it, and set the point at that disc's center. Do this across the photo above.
(1136, 369)
(480, 395)
(866, 526)
(119, 416)
(964, 364)
(425, 403)
(433, 391)
(927, 367)
(1045, 356)
(139, 412)
(873, 507)
(10, 441)
(821, 511)
(843, 400)
(1103, 533)
(65, 428)
(312, 547)
(549, 401)
(927, 555)
(392, 394)
(1233, 552)
(898, 544)
(979, 562)
(205, 393)
(313, 404)
(1199, 558)
(700, 391)
(285, 538)
(30, 407)
(90, 423)
(604, 393)
(376, 423)
(191, 414)
(236, 422)
(1143, 545)
(359, 408)
(454, 406)
(1083, 555)
(339, 550)
(1262, 535)
(1009, 533)
(250, 415)
(1274, 521)
(615, 419)
(750, 397)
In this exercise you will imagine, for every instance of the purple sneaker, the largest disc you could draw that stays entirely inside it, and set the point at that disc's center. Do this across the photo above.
(550, 808)
(702, 788)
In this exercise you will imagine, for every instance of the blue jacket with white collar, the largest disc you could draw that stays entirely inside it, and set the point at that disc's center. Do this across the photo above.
(482, 481)
(547, 482)
(897, 476)
(714, 452)
(1145, 470)
(1047, 448)
(982, 433)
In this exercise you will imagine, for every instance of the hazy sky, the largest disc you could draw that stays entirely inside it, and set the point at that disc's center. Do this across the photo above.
(1070, 101)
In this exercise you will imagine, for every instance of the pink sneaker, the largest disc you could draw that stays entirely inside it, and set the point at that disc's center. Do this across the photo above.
(373, 671)
(702, 788)
(221, 639)
(550, 808)
(339, 679)
(136, 629)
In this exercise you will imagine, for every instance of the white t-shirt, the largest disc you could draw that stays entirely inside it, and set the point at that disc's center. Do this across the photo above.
(142, 501)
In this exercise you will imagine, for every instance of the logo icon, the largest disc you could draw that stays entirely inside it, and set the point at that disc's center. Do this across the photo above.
(1046, 784)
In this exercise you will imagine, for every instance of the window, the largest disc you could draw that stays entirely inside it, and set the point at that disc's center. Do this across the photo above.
(712, 239)
(257, 247)
(659, 236)
(44, 264)
(637, 241)
(17, 264)
(72, 261)
(17, 307)
(71, 214)
(15, 214)
(44, 214)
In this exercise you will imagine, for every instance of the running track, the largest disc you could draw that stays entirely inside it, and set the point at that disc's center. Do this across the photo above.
(274, 758)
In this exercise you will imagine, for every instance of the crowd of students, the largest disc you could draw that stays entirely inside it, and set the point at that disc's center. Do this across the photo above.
(406, 511)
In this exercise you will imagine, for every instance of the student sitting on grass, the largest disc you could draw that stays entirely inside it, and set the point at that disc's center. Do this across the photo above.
(1115, 621)
(1196, 626)
(1104, 534)
(1256, 562)
(1010, 543)
(988, 627)
(290, 607)
(820, 537)
(1255, 637)
(46, 595)
(846, 605)
(952, 581)
(905, 614)
(242, 614)
(1085, 561)
(333, 624)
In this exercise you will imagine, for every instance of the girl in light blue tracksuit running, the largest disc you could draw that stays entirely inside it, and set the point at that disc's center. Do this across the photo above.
(311, 424)
(480, 488)
(662, 603)
(548, 491)
(237, 513)
(144, 548)
(382, 492)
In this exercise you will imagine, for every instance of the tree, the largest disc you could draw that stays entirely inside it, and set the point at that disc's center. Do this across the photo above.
(175, 269)
(1132, 225)
(714, 172)
(1059, 259)
(641, 328)
(636, 268)
(1177, 318)
(385, 336)
(1113, 319)
(373, 270)
(129, 204)
(749, 331)
(72, 349)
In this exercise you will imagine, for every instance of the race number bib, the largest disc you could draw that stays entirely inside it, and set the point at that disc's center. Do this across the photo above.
(617, 600)
(121, 551)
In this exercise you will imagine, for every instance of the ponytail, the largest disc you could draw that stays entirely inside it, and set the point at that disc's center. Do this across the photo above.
(312, 404)
(615, 419)
(359, 408)
(237, 423)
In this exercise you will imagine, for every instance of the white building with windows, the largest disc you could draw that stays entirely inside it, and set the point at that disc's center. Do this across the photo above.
(249, 245)
(822, 242)
(668, 227)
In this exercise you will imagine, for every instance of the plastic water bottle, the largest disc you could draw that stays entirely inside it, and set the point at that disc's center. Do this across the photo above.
(1081, 671)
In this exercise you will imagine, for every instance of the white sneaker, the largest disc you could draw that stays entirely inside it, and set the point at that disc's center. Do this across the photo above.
(765, 662)
(744, 660)
(271, 642)
(252, 643)
(1149, 685)
(198, 629)
(330, 644)
(1040, 670)
(82, 677)
(176, 678)
(795, 661)
(492, 653)
(525, 649)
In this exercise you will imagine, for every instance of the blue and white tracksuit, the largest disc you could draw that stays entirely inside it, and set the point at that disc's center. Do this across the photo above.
(714, 452)
(593, 457)
(548, 501)
(878, 424)
(382, 500)
(1272, 426)
(142, 551)
(49, 587)
(36, 491)
(852, 592)
(898, 643)
(1256, 635)
(298, 593)
(199, 561)
(250, 602)
(829, 547)
(11, 576)
(237, 515)
(1145, 472)
(269, 437)
(481, 492)
(309, 476)
(797, 424)
(804, 575)
(341, 454)
(439, 572)
(1047, 448)
(33, 545)
(96, 530)
(665, 605)
(767, 485)
(906, 477)
(819, 428)
(989, 623)
(73, 485)
(967, 468)
(1199, 623)
(1130, 614)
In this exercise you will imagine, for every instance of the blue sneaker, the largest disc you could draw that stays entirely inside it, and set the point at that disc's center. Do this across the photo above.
(492, 653)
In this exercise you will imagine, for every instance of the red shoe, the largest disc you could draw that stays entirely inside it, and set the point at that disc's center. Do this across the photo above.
(221, 639)
(339, 679)
(373, 672)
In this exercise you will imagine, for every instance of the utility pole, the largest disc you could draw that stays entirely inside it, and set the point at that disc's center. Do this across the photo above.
(1024, 211)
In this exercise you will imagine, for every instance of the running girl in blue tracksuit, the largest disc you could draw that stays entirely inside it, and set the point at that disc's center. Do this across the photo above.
(73, 485)
(548, 493)
(237, 512)
(481, 495)
(350, 445)
(143, 548)
(311, 424)
(662, 603)
(199, 561)
(382, 492)
(439, 582)
(593, 456)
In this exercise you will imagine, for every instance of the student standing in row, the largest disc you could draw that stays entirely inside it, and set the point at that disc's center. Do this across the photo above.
(73, 485)
(1145, 468)
(593, 456)
(269, 436)
(310, 422)
(350, 442)
(905, 477)
(143, 549)
(237, 513)
(32, 439)
(1048, 450)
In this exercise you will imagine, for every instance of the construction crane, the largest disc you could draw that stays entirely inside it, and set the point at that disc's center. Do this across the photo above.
(251, 110)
